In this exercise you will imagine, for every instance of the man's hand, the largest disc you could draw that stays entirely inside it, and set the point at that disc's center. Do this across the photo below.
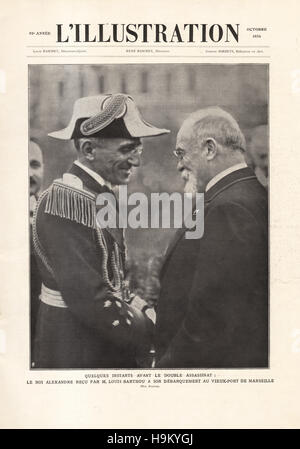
(142, 305)
(151, 314)
(138, 302)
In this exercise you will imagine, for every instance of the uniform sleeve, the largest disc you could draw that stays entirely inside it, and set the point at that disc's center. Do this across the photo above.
(76, 259)
(226, 321)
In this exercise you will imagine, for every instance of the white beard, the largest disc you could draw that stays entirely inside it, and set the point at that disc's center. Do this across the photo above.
(191, 184)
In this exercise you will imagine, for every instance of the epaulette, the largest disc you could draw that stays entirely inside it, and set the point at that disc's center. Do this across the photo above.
(68, 199)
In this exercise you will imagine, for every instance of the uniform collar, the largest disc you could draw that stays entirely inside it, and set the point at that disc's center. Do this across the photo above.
(225, 182)
(96, 188)
(89, 181)
(224, 173)
(94, 175)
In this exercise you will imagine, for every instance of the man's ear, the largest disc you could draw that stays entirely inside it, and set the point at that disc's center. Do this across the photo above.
(87, 150)
(211, 147)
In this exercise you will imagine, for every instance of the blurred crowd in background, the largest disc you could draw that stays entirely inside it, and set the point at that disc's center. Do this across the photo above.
(165, 94)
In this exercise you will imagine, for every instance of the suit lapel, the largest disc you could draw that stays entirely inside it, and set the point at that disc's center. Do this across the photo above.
(176, 239)
(237, 176)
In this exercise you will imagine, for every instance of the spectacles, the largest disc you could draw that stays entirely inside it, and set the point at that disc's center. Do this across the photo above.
(137, 151)
(179, 153)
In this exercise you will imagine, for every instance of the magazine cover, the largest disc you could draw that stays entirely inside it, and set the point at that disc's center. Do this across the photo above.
(149, 235)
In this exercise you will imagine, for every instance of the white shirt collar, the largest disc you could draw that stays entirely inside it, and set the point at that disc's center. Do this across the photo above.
(224, 173)
(94, 175)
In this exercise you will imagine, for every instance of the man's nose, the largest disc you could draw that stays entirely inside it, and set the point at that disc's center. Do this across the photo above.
(135, 160)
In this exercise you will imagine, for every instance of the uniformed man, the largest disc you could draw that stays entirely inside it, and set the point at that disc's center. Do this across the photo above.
(86, 319)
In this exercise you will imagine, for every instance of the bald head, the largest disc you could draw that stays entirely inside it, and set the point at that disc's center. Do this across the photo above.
(214, 123)
(209, 141)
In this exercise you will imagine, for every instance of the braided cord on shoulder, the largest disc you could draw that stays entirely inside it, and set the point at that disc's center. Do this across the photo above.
(36, 241)
(115, 260)
(114, 285)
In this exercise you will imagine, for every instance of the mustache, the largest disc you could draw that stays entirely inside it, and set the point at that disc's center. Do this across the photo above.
(34, 181)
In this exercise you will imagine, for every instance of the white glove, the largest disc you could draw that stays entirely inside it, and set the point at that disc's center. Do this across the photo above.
(151, 314)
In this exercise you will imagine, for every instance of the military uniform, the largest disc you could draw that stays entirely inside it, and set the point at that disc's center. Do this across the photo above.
(85, 318)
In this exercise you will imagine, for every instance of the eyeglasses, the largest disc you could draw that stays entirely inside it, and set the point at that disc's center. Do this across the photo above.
(179, 153)
(137, 151)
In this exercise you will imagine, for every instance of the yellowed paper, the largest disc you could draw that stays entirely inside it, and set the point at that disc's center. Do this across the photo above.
(150, 398)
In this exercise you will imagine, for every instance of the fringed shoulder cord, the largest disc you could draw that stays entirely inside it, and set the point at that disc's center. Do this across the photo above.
(71, 203)
(80, 206)
(36, 241)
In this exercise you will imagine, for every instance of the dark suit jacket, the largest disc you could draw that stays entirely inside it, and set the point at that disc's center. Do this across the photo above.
(90, 332)
(213, 306)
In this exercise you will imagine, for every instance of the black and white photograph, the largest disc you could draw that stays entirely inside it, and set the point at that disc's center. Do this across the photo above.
(148, 199)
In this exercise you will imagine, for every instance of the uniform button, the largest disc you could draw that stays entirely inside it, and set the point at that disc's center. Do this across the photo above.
(116, 323)
(107, 303)
(118, 304)
(128, 321)
(130, 313)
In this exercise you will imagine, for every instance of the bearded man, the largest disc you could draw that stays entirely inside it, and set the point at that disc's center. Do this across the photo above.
(213, 306)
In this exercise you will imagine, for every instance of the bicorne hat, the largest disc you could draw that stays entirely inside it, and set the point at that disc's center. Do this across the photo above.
(107, 116)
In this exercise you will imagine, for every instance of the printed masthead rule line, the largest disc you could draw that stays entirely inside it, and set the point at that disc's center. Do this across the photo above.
(149, 46)
(144, 56)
